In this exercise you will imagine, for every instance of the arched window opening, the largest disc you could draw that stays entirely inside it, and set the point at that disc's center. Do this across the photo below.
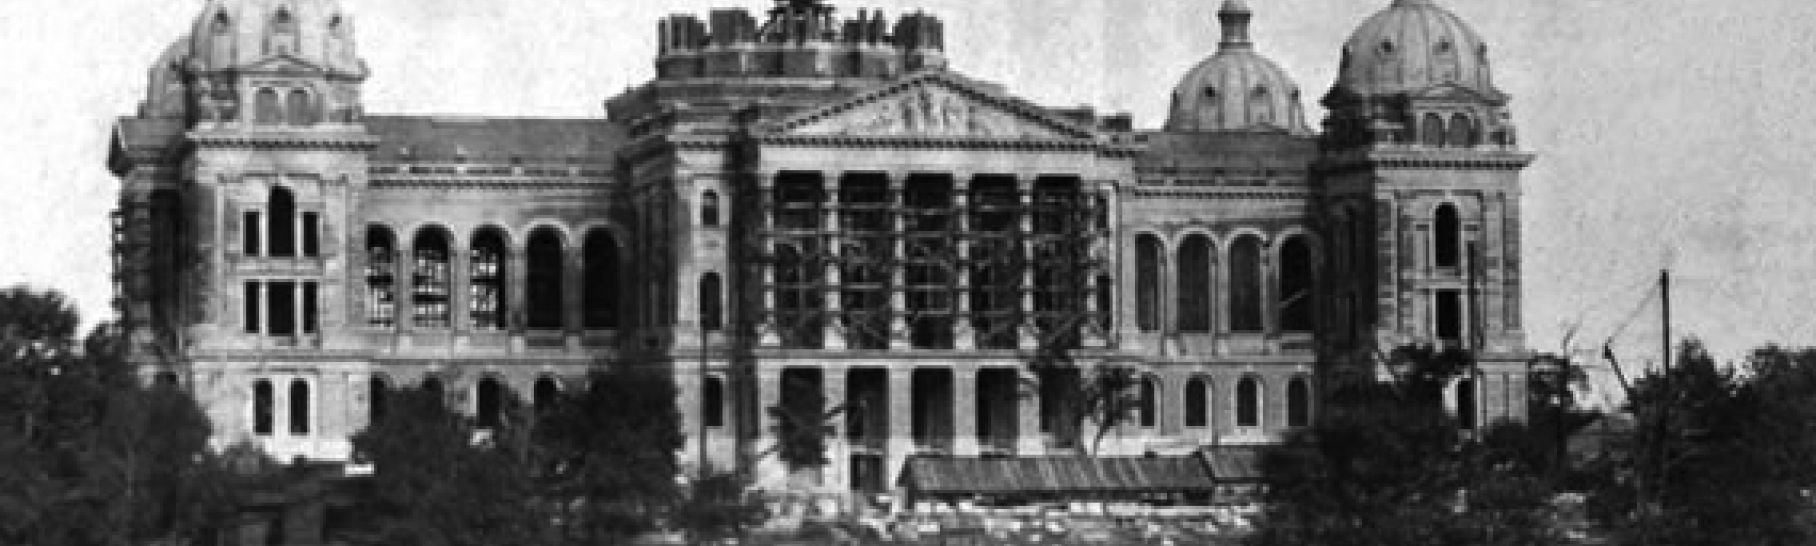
(222, 24)
(1197, 403)
(1261, 106)
(1106, 301)
(1147, 282)
(1466, 404)
(709, 209)
(1447, 237)
(1462, 131)
(268, 109)
(545, 394)
(544, 293)
(299, 408)
(263, 407)
(1150, 394)
(488, 403)
(1248, 402)
(1297, 274)
(1195, 286)
(602, 283)
(300, 109)
(1432, 133)
(378, 391)
(712, 402)
(281, 213)
(381, 282)
(1246, 280)
(712, 315)
(1298, 403)
(486, 280)
(429, 298)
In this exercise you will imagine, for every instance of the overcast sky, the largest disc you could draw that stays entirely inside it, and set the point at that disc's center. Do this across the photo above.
(1667, 131)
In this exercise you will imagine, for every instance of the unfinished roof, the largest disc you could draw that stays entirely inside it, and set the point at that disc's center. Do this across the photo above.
(935, 476)
(435, 138)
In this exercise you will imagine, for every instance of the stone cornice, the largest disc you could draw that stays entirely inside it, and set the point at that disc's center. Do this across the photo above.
(915, 142)
(1220, 195)
(490, 183)
(1474, 159)
(340, 142)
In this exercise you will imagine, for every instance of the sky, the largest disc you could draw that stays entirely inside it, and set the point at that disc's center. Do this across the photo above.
(1669, 134)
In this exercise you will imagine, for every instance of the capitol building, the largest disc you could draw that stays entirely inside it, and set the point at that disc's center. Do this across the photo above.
(809, 198)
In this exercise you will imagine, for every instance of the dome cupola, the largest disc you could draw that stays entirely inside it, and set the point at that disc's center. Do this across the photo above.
(272, 63)
(1236, 89)
(239, 34)
(1411, 46)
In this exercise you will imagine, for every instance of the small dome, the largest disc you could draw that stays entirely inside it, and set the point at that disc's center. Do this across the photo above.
(1414, 45)
(1236, 89)
(167, 95)
(232, 34)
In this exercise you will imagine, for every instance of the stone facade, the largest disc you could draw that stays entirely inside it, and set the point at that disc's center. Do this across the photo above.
(808, 201)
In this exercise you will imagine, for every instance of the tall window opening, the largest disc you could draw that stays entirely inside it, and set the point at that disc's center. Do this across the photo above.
(377, 391)
(488, 403)
(1197, 403)
(1149, 402)
(252, 233)
(712, 316)
(545, 280)
(1447, 237)
(602, 281)
(311, 307)
(1466, 404)
(268, 109)
(486, 280)
(281, 210)
(263, 410)
(312, 237)
(300, 109)
(1147, 282)
(1195, 284)
(250, 306)
(544, 394)
(381, 282)
(1298, 402)
(1449, 315)
(1248, 402)
(709, 209)
(1106, 303)
(1462, 131)
(429, 298)
(1297, 273)
(1246, 285)
(299, 407)
(1432, 132)
(280, 300)
(712, 402)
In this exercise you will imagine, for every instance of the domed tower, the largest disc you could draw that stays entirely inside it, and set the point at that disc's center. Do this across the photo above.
(1236, 89)
(1421, 176)
(289, 63)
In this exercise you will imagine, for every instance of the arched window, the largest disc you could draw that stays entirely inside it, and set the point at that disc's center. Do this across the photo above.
(299, 407)
(1462, 131)
(222, 24)
(488, 403)
(1197, 403)
(712, 316)
(486, 280)
(544, 394)
(281, 215)
(300, 109)
(381, 282)
(377, 392)
(712, 402)
(1106, 301)
(544, 293)
(1147, 282)
(1298, 402)
(268, 109)
(709, 209)
(1447, 237)
(1246, 285)
(263, 407)
(1297, 271)
(1150, 394)
(602, 285)
(1195, 284)
(429, 297)
(282, 40)
(1248, 402)
(1466, 404)
(1261, 107)
(1432, 133)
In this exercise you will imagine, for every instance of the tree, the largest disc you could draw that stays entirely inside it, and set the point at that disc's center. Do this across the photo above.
(438, 480)
(803, 421)
(1105, 396)
(1385, 463)
(607, 454)
(719, 505)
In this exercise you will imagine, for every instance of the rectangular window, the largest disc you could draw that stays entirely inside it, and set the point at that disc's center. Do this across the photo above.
(1449, 315)
(282, 296)
(312, 239)
(251, 307)
(310, 309)
(250, 232)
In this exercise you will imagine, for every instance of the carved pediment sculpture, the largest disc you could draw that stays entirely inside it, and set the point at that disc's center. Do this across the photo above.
(929, 110)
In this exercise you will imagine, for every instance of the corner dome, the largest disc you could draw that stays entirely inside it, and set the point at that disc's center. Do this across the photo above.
(237, 34)
(1411, 46)
(1236, 89)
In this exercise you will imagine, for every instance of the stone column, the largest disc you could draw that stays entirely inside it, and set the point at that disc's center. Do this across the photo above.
(834, 283)
(262, 291)
(898, 289)
(572, 299)
(769, 467)
(767, 325)
(1029, 439)
(901, 425)
(516, 293)
(838, 449)
(963, 337)
(1028, 338)
(964, 410)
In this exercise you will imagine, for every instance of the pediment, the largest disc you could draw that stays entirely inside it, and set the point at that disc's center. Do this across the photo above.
(283, 64)
(934, 105)
(1453, 92)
